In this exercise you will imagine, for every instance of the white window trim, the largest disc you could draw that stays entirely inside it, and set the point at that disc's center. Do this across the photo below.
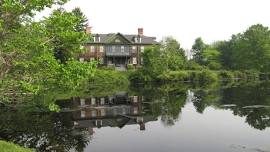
(101, 49)
(134, 60)
(92, 49)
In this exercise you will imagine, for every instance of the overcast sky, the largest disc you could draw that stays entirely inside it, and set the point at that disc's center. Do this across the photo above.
(183, 19)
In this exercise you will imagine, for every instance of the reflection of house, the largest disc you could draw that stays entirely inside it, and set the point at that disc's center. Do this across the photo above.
(114, 111)
(117, 49)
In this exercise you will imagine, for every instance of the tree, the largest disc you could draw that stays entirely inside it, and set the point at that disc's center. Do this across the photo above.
(61, 28)
(83, 21)
(251, 49)
(173, 54)
(16, 33)
(197, 48)
(211, 59)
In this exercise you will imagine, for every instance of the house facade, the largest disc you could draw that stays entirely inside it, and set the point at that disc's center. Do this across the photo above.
(116, 49)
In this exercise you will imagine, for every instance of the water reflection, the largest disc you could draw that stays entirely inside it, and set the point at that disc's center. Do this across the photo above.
(113, 111)
(75, 126)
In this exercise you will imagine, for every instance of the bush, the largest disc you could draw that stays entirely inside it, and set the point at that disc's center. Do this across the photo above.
(174, 76)
(207, 76)
(192, 65)
(130, 67)
(109, 77)
(226, 75)
(140, 76)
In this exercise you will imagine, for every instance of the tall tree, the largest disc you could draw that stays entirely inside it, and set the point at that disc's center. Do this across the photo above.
(251, 49)
(83, 21)
(197, 48)
(174, 55)
(66, 39)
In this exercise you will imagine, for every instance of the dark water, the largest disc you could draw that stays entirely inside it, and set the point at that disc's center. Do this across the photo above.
(150, 118)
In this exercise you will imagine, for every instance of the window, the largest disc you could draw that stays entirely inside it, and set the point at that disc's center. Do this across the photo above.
(82, 114)
(142, 48)
(101, 49)
(135, 99)
(94, 113)
(122, 49)
(101, 60)
(93, 101)
(102, 101)
(113, 48)
(102, 112)
(81, 59)
(136, 40)
(92, 49)
(133, 47)
(141, 60)
(140, 40)
(82, 102)
(134, 60)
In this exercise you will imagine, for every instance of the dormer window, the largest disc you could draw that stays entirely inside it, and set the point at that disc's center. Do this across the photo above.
(140, 40)
(97, 38)
(122, 49)
(136, 40)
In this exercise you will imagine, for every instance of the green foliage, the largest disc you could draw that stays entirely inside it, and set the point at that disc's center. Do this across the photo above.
(103, 77)
(83, 21)
(247, 51)
(211, 59)
(192, 65)
(226, 75)
(66, 39)
(10, 147)
(204, 76)
(172, 54)
(197, 49)
(130, 67)
(175, 76)
(153, 62)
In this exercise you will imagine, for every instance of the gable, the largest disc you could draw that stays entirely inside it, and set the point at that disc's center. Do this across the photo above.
(118, 39)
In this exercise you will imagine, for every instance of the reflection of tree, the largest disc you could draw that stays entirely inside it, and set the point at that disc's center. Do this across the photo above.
(240, 96)
(205, 98)
(43, 132)
(165, 101)
(249, 95)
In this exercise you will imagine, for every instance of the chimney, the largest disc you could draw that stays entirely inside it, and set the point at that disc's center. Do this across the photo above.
(88, 30)
(140, 31)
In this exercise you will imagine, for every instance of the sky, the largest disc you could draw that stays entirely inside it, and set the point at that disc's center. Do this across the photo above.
(185, 20)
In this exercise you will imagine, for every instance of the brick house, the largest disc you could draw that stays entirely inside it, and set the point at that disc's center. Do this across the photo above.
(116, 49)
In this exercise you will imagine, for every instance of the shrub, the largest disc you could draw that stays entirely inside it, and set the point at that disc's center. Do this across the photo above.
(140, 76)
(226, 75)
(174, 76)
(130, 67)
(207, 76)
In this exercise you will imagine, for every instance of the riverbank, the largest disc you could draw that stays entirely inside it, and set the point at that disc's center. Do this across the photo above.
(200, 76)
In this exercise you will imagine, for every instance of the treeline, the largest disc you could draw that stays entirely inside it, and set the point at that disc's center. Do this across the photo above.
(245, 56)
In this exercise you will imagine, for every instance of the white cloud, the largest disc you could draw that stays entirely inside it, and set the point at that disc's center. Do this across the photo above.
(184, 19)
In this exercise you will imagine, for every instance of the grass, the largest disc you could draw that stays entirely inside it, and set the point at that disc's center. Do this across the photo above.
(10, 147)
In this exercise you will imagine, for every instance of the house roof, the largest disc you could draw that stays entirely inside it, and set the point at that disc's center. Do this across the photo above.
(127, 38)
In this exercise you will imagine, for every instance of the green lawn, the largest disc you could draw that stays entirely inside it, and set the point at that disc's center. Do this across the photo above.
(10, 147)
